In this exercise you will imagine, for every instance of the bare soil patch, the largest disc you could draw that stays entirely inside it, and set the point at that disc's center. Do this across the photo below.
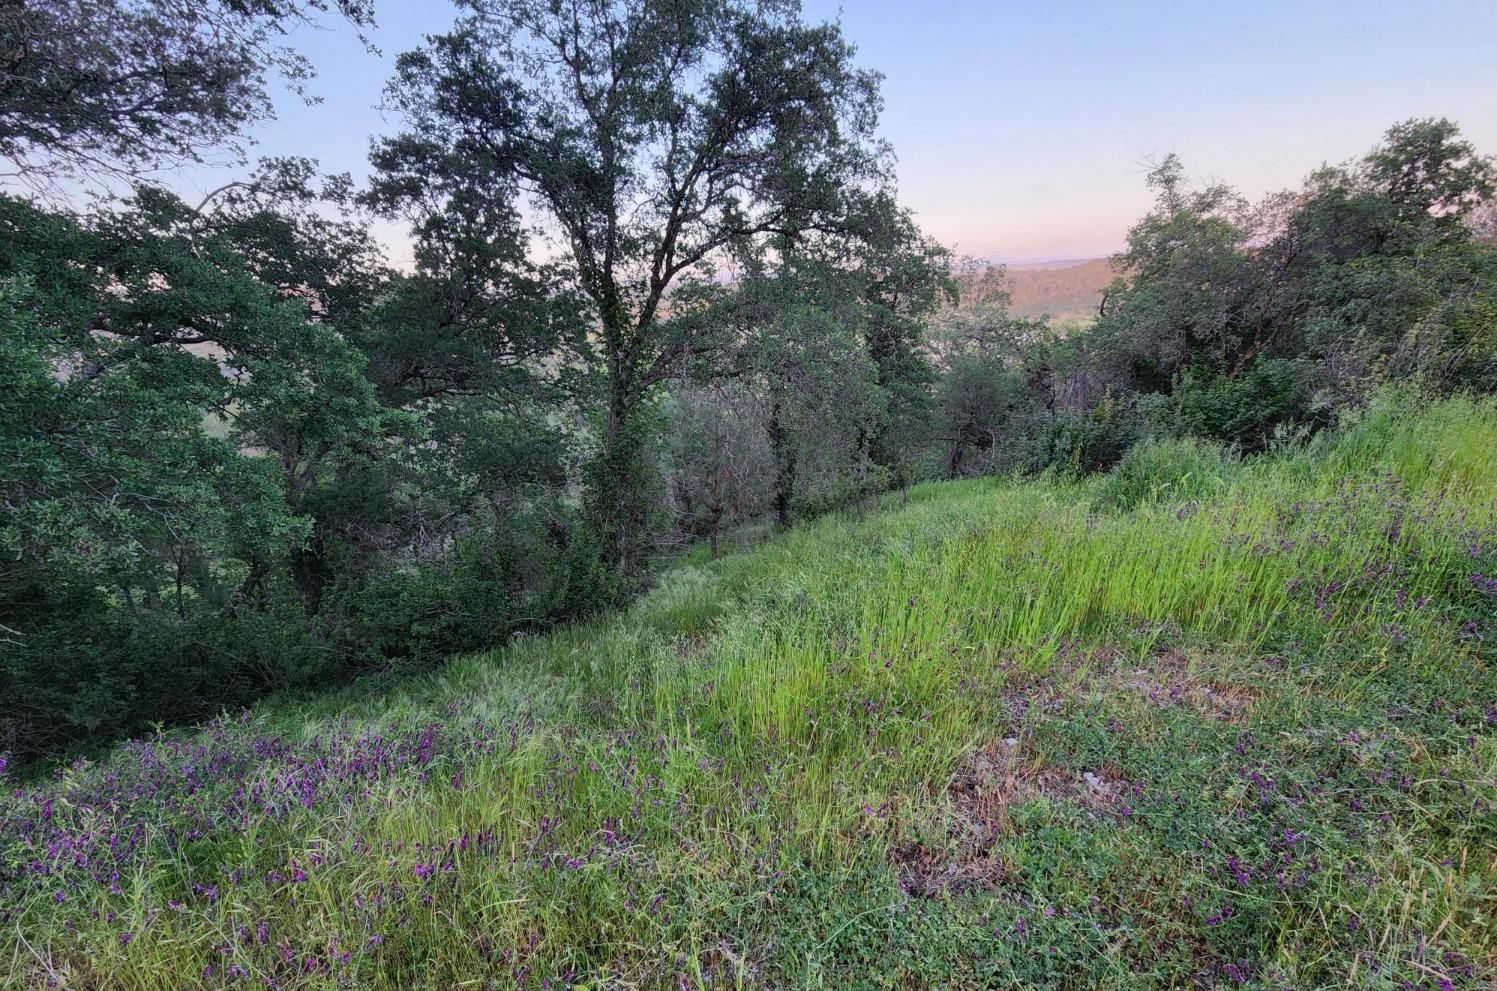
(1166, 681)
(974, 811)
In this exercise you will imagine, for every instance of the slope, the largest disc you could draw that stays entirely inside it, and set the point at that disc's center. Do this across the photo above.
(1235, 727)
(1068, 293)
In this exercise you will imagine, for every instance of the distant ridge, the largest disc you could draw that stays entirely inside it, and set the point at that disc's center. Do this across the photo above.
(1049, 263)
(1068, 291)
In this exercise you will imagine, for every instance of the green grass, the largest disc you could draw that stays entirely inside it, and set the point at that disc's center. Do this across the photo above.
(855, 757)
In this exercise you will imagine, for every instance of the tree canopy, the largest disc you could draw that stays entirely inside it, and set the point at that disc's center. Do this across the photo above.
(656, 140)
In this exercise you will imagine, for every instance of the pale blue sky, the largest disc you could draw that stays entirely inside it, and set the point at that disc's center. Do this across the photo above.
(1021, 128)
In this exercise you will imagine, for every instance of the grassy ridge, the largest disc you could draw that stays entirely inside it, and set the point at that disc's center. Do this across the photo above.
(1232, 726)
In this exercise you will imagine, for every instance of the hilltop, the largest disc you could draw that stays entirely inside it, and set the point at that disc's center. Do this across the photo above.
(1068, 292)
(1201, 719)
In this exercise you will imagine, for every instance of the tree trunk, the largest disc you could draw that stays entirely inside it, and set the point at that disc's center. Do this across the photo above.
(784, 463)
(309, 570)
(954, 458)
(617, 503)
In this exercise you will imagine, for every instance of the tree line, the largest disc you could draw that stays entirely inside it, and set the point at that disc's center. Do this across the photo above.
(662, 286)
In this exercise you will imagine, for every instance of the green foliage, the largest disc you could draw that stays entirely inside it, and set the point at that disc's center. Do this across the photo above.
(660, 144)
(976, 397)
(1256, 318)
(215, 476)
(1005, 413)
(83, 672)
(716, 460)
(1245, 410)
(1082, 441)
(115, 87)
(1210, 718)
(826, 405)
(1239, 323)
(503, 578)
(1173, 470)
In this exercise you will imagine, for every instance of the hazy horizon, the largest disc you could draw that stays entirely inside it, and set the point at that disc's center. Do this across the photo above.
(1022, 134)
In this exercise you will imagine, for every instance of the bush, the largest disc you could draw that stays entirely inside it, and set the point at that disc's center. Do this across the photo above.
(1245, 410)
(89, 668)
(493, 583)
(1090, 440)
(1176, 469)
(91, 674)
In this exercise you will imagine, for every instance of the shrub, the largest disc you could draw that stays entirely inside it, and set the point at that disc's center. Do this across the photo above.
(1245, 410)
(1174, 469)
(92, 674)
(494, 582)
(87, 669)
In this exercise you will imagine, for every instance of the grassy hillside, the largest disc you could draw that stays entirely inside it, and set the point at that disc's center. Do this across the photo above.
(1199, 723)
(1067, 293)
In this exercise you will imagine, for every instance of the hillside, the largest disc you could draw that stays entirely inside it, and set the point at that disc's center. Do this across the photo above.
(1200, 721)
(1068, 292)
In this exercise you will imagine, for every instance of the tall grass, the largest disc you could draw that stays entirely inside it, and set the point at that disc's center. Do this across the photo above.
(717, 787)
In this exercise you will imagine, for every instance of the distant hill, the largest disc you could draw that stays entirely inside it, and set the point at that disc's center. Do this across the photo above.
(1069, 292)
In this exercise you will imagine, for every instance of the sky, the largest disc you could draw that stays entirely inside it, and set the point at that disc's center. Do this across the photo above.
(1023, 130)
